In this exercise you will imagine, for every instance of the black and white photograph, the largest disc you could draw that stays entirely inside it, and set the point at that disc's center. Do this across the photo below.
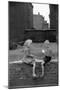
(32, 44)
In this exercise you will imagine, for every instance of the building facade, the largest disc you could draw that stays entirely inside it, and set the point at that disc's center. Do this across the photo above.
(54, 18)
(20, 18)
(45, 25)
(39, 23)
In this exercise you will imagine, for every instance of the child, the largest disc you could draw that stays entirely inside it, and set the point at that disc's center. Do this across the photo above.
(28, 57)
(31, 59)
(47, 52)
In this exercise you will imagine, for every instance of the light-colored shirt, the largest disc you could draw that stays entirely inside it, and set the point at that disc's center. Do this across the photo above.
(28, 43)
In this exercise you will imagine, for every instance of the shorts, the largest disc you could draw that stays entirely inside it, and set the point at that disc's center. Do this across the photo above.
(47, 59)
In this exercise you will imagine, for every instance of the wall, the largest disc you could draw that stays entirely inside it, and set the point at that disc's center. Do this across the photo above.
(41, 35)
(20, 18)
(38, 21)
(54, 18)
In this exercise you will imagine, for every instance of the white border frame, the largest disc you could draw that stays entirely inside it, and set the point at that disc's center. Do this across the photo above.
(4, 42)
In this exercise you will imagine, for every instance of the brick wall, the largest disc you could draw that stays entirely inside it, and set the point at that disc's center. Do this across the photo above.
(40, 35)
(20, 18)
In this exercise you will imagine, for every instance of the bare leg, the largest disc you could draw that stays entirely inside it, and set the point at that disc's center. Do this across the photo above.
(19, 61)
(42, 70)
(34, 65)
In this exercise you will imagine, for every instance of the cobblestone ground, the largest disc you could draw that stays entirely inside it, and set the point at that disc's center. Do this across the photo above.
(20, 75)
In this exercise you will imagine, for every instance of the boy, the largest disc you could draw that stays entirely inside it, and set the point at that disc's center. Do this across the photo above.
(47, 52)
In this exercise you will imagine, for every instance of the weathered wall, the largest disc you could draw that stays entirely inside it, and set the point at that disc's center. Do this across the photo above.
(54, 18)
(41, 36)
(38, 21)
(20, 18)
